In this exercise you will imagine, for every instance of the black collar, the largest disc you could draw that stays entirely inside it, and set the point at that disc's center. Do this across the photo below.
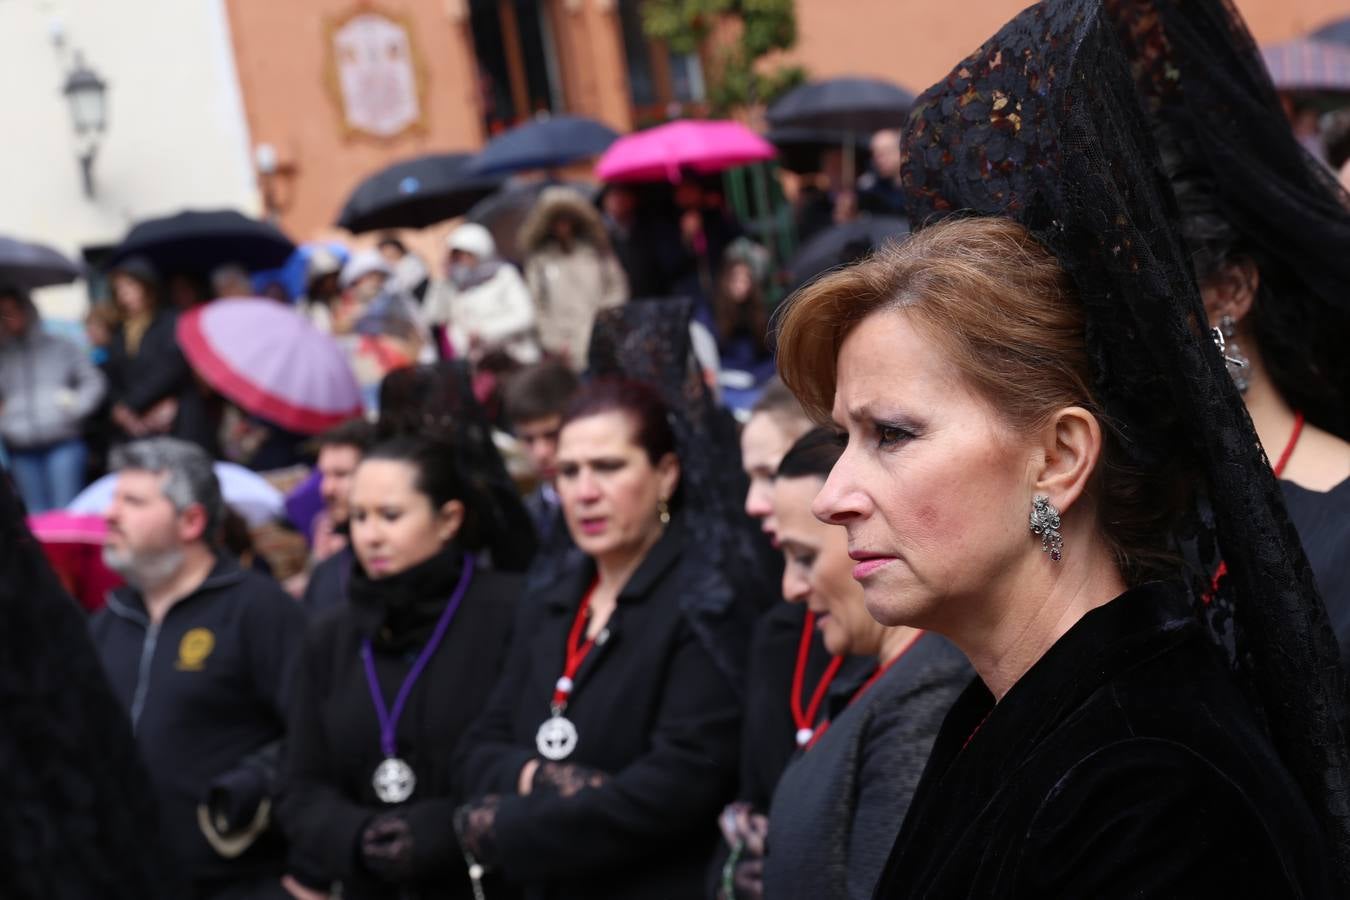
(1139, 625)
(128, 603)
(659, 559)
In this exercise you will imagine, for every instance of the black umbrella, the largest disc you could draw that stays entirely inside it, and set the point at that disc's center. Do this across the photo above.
(505, 211)
(545, 144)
(860, 105)
(416, 193)
(1337, 32)
(199, 241)
(842, 244)
(26, 266)
(800, 149)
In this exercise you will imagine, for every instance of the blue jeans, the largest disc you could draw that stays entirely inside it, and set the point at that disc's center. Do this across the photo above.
(48, 477)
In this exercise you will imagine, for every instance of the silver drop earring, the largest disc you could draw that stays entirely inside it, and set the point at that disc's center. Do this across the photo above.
(1045, 525)
(1233, 356)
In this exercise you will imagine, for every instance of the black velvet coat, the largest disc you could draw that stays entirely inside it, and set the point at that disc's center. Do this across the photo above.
(1124, 763)
(158, 371)
(78, 817)
(655, 714)
(334, 737)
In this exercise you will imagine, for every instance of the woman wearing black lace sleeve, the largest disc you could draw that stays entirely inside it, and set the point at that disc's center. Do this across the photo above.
(611, 741)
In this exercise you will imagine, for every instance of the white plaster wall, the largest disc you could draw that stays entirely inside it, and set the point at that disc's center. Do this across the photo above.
(176, 136)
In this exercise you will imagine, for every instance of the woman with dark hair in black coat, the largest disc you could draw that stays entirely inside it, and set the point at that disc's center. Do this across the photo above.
(838, 806)
(150, 384)
(390, 681)
(611, 741)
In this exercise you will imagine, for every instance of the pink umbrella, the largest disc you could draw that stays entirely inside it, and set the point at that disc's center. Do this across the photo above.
(74, 547)
(661, 153)
(271, 362)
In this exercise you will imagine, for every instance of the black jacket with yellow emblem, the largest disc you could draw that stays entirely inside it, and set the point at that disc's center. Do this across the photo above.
(206, 690)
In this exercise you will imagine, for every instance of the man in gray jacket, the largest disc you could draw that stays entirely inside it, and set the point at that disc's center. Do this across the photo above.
(48, 386)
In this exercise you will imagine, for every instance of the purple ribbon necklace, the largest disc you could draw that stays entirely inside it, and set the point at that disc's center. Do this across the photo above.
(394, 780)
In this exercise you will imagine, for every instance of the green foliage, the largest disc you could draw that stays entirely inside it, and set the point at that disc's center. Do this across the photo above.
(736, 78)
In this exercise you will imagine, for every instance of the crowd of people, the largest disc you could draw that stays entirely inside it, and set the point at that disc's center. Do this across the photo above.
(1023, 574)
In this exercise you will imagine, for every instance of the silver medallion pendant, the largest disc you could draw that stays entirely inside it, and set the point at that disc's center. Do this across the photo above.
(804, 736)
(394, 781)
(556, 738)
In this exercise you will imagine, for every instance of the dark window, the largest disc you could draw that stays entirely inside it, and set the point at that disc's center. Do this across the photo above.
(657, 78)
(516, 62)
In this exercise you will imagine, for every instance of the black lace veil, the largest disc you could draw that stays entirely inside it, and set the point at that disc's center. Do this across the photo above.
(437, 402)
(1044, 124)
(649, 341)
(1247, 188)
(79, 816)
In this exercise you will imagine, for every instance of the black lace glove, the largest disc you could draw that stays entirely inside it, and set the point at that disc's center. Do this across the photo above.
(387, 847)
(565, 779)
(475, 824)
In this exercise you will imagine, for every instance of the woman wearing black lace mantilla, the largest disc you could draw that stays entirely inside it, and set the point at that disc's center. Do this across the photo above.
(1038, 424)
(1267, 228)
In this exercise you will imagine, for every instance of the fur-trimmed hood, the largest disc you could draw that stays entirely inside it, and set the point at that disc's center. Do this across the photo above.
(556, 201)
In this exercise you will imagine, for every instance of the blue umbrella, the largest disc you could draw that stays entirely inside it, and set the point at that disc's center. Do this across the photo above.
(27, 266)
(545, 144)
(416, 193)
(1337, 32)
(294, 275)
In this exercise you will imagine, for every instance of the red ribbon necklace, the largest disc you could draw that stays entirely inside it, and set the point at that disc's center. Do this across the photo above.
(806, 720)
(557, 736)
(576, 654)
(866, 685)
(1280, 465)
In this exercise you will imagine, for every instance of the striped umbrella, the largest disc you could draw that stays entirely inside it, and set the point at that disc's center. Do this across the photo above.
(270, 361)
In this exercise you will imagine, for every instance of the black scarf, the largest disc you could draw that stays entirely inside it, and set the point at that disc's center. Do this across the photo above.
(400, 612)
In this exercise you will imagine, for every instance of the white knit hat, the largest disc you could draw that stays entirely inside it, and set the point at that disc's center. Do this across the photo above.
(473, 238)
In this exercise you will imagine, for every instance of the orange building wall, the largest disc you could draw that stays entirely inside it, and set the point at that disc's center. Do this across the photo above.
(281, 50)
(916, 42)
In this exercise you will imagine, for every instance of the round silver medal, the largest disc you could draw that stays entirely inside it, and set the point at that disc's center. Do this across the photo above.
(394, 781)
(804, 736)
(556, 738)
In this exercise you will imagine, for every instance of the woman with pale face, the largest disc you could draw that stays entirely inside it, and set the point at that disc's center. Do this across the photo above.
(880, 721)
(612, 736)
(370, 777)
(983, 496)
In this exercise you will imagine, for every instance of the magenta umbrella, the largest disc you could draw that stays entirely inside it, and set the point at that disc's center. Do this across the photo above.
(271, 362)
(664, 152)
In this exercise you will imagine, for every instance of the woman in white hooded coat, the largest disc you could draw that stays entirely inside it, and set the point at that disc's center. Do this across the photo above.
(571, 271)
(483, 304)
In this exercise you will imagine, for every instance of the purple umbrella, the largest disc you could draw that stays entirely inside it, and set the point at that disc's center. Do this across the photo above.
(1309, 66)
(271, 362)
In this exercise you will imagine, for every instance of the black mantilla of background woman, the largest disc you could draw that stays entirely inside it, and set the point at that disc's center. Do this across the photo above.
(1266, 226)
(391, 681)
(1039, 425)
